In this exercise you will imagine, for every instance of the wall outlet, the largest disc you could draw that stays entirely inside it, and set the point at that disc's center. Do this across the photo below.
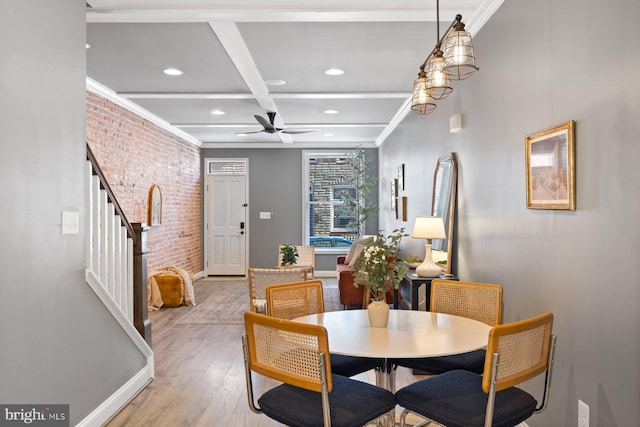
(583, 414)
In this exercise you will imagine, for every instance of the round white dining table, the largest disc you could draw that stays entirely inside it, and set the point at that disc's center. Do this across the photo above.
(408, 334)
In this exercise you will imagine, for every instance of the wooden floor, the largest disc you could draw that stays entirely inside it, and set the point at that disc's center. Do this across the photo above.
(199, 375)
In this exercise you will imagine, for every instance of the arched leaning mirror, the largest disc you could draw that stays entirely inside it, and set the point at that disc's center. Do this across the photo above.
(443, 204)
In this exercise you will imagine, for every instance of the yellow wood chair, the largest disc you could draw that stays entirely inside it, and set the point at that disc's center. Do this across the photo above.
(292, 300)
(297, 355)
(516, 352)
(259, 278)
(478, 301)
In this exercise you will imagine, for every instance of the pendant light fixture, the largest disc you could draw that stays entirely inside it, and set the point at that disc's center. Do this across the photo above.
(455, 62)
(458, 52)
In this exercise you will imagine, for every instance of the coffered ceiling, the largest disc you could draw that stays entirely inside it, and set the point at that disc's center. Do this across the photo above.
(231, 52)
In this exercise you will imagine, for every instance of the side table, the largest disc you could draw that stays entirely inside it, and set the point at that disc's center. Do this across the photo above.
(410, 286)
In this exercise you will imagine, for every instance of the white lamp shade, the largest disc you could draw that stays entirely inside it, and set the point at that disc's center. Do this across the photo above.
(428, 227)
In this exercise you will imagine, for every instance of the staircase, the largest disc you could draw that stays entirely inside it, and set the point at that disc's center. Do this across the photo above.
(116, 270)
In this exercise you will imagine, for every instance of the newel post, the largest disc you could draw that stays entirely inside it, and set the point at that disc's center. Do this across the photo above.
(140, 303)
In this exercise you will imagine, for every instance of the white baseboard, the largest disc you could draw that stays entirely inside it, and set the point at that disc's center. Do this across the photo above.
(198, 275)
(325, 273)
(120, 398)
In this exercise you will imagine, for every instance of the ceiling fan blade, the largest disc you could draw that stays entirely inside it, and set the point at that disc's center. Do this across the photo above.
(295, 131)
(264, 122)
(247, 133)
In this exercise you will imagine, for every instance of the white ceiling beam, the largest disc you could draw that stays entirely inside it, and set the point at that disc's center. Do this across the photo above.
(293, 125)
(275, 95)
(232, 41)
(427, 14)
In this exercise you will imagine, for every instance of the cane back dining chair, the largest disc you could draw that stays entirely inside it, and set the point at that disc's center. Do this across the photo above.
(259, 278)
(478, 301)
(516, 352)
(306, 259)
(297, 355)
(291, 300)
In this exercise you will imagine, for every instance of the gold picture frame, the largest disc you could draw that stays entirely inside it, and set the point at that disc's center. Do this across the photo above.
(550, 168)
(155, 205)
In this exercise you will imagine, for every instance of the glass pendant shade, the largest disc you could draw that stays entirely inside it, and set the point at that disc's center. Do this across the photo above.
(438, 83)
(458, 54)
(421, 101)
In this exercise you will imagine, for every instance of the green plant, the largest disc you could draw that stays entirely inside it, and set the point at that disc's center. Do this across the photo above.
(380, 268)
(289, 255)
(364, 183)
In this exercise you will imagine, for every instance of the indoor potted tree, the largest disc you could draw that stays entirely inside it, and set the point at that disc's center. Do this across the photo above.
(379, 269)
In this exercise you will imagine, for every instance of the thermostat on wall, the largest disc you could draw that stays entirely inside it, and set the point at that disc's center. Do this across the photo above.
(265, 215)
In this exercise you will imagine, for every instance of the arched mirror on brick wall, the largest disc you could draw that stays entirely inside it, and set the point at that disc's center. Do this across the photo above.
(443, 204)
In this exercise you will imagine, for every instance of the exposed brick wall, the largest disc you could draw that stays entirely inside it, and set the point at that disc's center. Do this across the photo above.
(134, 154)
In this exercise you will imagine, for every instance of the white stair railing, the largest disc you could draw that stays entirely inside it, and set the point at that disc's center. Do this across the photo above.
(116, 270)
(109, 247)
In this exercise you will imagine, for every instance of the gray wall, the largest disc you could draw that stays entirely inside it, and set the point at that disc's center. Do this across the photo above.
(59, 343)
(543, 63)
(275, 185)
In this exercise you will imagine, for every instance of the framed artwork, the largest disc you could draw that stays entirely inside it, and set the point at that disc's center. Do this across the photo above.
(401, 177)
(404, 208)
(155, 205)
(550, 168)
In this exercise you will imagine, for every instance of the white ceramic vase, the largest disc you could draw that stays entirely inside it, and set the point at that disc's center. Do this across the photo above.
(378, 314)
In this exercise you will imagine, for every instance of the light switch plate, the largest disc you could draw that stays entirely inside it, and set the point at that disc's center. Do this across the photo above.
(70, 222)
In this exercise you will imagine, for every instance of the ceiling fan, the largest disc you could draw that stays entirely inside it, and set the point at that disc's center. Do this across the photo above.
(269, 126)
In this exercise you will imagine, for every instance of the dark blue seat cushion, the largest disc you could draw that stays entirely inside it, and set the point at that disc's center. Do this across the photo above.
(348, 366)
(456, 399)
(353, 404)
(472, 361)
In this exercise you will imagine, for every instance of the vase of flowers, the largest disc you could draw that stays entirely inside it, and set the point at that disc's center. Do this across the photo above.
(380, 269)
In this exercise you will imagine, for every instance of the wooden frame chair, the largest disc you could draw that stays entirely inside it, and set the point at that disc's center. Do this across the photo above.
(516, 352)
(291, 300)
(478, 301)
(306, 259)
(259, 278)
(297, 355)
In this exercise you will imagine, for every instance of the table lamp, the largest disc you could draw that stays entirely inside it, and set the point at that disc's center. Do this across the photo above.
(428, 227)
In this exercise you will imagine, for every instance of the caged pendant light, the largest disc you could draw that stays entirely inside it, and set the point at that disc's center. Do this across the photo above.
(455, 62)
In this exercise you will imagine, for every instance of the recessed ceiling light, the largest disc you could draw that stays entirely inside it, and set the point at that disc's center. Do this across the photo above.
(241, 134)
(334, 72)
(87, 45)
(218, 112)
(329, 134)
(173, 72)
(331, 111)
(275, 82)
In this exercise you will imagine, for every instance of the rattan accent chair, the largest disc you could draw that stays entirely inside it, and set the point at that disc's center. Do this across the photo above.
(288, 301)
(306, 259)
(516, 352)
(297, 355)
(478, 301)
(259, 278)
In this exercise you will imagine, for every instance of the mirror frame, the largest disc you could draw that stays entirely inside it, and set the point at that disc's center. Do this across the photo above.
(448, 215)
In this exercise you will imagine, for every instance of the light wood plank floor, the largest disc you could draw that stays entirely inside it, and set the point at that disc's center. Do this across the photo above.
(199, 375)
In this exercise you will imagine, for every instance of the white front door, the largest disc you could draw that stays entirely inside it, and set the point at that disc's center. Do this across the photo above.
(225, 225)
